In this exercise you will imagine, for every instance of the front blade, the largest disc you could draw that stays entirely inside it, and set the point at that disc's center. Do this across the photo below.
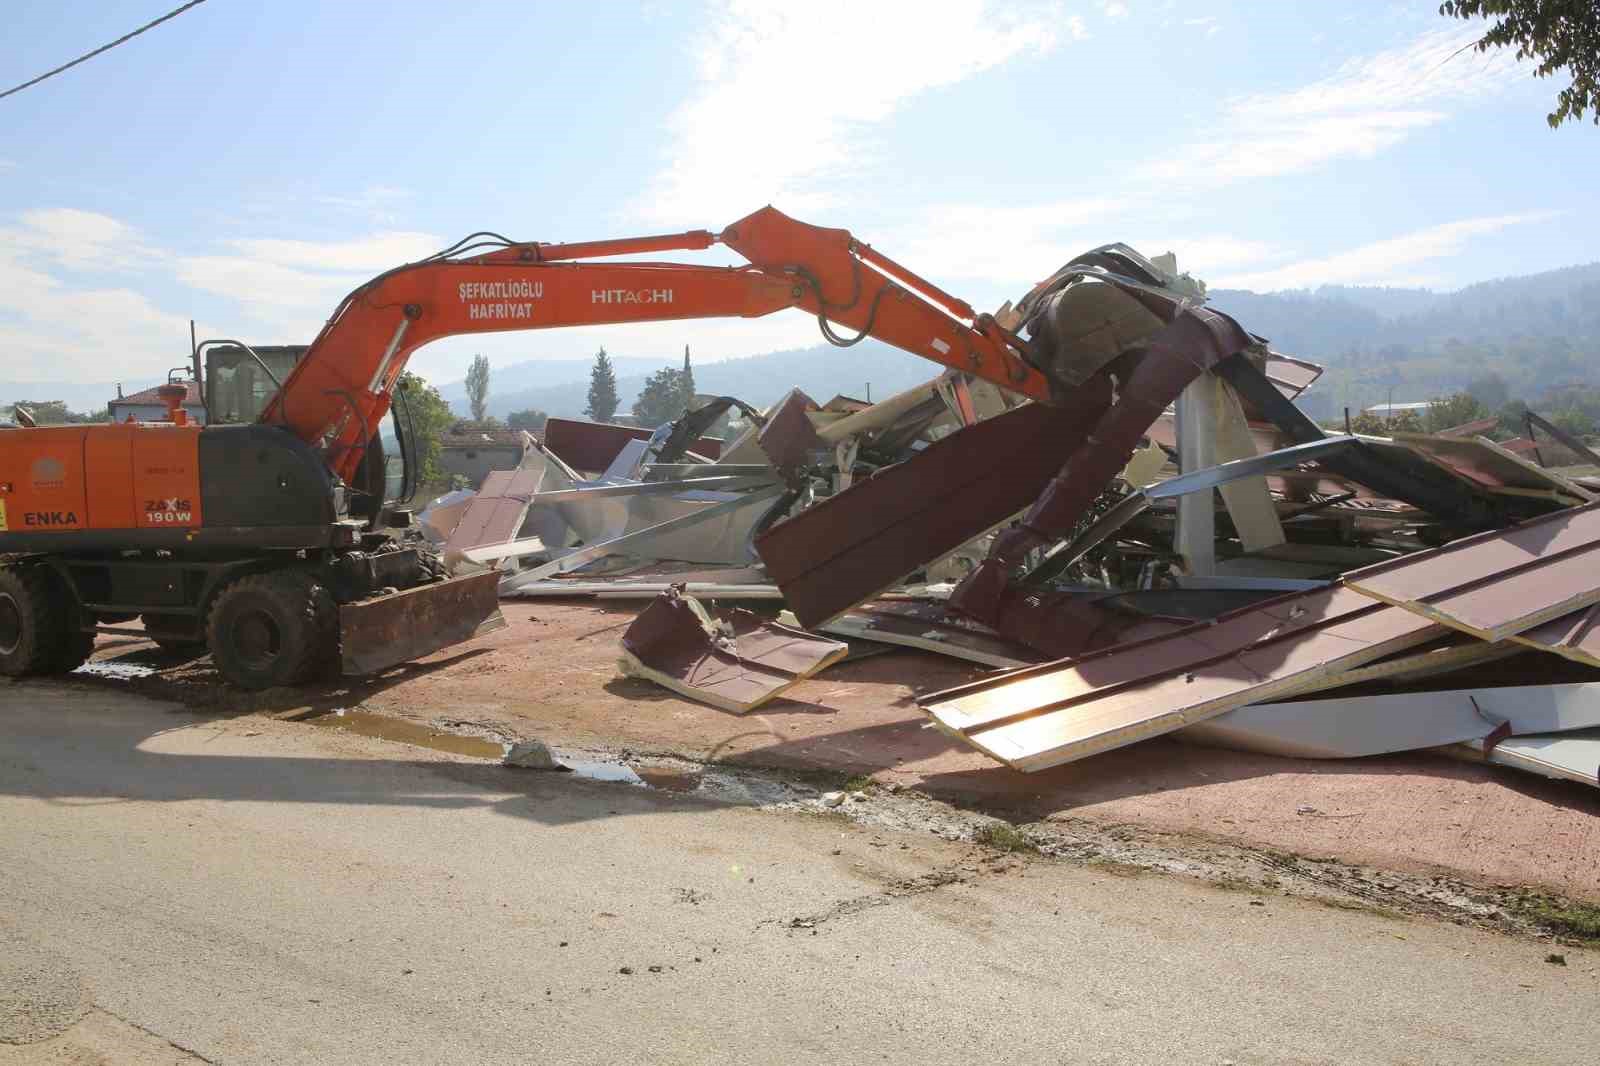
(384, 631)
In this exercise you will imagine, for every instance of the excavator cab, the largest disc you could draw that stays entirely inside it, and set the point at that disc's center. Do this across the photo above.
(238, 386)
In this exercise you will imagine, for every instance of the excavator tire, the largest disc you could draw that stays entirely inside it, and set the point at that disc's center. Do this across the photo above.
(266, 630)
(38, 631)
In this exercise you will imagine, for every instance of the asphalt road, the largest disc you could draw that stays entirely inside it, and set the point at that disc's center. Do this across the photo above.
(240, 890)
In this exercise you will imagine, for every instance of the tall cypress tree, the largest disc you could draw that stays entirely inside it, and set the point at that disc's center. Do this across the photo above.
(686, 380)
(603, 399)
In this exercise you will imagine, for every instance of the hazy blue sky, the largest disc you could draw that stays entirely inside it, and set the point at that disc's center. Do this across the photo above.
(250, 162)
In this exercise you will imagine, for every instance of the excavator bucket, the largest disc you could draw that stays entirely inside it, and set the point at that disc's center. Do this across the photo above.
(385, 631)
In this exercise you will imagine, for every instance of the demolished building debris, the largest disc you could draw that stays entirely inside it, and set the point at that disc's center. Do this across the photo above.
(1169, 546)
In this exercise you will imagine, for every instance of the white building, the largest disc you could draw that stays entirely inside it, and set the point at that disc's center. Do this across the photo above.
(1389, 410)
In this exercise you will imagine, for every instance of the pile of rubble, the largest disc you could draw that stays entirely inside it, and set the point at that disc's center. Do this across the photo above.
(1170, 545)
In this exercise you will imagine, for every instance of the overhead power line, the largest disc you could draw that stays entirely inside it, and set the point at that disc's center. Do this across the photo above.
(102, 48)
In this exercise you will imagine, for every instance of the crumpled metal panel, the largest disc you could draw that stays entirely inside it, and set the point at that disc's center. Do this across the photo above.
(854, 545)
(734, 659)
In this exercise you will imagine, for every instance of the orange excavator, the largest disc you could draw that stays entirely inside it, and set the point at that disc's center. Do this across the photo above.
(266, 543)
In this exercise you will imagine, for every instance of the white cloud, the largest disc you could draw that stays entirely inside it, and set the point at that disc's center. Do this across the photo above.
(377, 204)
(1113, 9)
(287, 288)
(1206, 256)
(765, 127)
(1368, 104)
(1016, 245)
(1386, 262)
(55, 328)
(80, 240)
(373, 254)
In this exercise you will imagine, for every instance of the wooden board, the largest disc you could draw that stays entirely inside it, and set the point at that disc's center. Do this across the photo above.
(1498, 584)
(1044, 716)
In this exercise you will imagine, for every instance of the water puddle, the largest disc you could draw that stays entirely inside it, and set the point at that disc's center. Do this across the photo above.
(398, 729)
(670, 779)
(114, 669)
(596, 770)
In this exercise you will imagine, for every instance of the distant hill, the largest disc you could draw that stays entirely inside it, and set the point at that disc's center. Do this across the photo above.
(1533, 334)
(821, 371)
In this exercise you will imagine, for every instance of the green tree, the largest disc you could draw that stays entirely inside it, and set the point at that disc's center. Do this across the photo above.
(478, 387)
(686, 380)
(1574, 421)
(661, 400)
(430, 418)
(603, 399)
(1372, 424)
(1457, 409)
(1559, 34)
(529, 419)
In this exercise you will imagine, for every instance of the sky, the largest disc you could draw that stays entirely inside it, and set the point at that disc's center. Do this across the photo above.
(247, 164)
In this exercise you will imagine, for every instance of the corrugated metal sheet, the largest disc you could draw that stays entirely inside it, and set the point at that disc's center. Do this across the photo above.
(1500, 583)
(1047, 715)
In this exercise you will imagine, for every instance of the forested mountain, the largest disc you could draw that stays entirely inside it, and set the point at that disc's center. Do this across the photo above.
(1534, 334)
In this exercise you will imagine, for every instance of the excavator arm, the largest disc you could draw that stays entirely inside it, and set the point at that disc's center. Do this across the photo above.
(341, 388)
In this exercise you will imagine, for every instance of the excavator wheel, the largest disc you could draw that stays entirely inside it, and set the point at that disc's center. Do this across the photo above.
(38, 624)
(273, 629)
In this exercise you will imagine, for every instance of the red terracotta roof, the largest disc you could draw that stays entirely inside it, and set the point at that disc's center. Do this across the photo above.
(152, 397)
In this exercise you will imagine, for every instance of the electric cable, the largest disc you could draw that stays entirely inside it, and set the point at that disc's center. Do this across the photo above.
(103, 48)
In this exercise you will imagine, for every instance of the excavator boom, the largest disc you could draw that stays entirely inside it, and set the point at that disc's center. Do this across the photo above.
(342, 387)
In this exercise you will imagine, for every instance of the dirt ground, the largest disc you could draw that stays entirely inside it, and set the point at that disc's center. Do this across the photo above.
(552, 674)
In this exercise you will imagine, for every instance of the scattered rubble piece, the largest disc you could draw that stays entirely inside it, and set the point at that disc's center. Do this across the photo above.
(530, 755)
(734, 660)
(929, 627)
(1170, 544)
(594, 446)
(646, 590)
(440, 518)
(1376, 724)
(1573, 756)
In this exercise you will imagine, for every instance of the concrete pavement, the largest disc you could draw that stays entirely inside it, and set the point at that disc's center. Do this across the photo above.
(243, 890)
